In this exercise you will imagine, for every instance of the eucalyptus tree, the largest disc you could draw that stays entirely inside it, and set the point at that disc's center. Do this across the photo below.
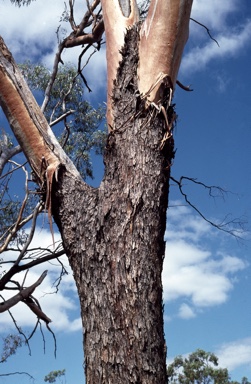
(113, 235)
(200, 367)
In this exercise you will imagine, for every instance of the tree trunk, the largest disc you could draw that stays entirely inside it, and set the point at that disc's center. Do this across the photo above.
(114, 239)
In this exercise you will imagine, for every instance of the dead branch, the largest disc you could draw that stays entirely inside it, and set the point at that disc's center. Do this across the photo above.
(55, 340)
(71, 17)
(17, 268)
(57, 60)
(20, 331)
(76, 38)
(22, 295)
(35, 308)
(224, 224)
(6, 154)
(17, 373)
(13, 169)
(80, 69)
(208, 31)
(22, 223)
(85, 21)
(13, 231)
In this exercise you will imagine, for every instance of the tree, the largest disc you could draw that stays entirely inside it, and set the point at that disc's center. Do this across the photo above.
(113, 235)
(54, 375)
(198, 368)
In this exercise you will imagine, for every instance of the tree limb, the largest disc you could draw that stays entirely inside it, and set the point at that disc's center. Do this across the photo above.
(163, 37)
(22, 295)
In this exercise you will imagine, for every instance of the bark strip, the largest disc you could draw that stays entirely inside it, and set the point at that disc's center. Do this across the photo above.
(27, 121)
(163, 37)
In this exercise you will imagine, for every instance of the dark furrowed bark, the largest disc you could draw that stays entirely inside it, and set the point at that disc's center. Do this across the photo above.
(114, 239)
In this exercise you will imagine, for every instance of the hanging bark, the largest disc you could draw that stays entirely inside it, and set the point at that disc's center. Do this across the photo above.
(114, 235)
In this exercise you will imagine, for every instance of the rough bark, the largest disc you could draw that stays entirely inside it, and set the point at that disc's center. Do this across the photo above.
(118, 17)
(113, 235)
(114, 238)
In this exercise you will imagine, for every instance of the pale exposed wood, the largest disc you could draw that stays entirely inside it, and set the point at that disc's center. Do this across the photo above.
(115, 27)
(27, 121)
(163, 37)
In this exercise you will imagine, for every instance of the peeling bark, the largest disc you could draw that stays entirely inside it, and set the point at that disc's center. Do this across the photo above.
(163, 38)
(27, 121)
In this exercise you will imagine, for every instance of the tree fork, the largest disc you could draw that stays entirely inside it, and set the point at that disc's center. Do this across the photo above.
(115, 239)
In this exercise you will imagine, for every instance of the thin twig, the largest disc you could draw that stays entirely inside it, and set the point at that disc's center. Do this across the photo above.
(221, 226)
(20, 332)
(208, 31)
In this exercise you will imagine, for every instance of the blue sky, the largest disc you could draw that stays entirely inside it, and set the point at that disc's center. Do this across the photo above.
(206, 276)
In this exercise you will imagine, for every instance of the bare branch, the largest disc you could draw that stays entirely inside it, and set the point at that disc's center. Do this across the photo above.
(31, 234)
(6, 154)
(13, 231)
(85, 21)
(76, 38)
(208, 31)
(53, 76)
(225, 224)
(21, 224)
(35, 308)
(13, 170)
(71, 17)
(20, 331)
(62, 117)
(55, 340)
(17, 373)
(22, 295)
(88, 38)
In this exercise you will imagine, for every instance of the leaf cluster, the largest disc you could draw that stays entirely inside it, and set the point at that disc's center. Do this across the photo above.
(21, 2)
(54, 375)
(200, 367)
(10, 345)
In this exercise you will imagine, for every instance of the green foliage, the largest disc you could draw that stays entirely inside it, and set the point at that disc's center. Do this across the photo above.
(78, 133)
(54, 375)
(198, 368)
(21, 2)
(10, 345)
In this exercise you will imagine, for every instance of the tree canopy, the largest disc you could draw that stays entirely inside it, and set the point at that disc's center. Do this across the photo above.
(199, 367)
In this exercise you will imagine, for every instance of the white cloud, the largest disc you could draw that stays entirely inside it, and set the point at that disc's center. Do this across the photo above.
(30, 30)
(231, 42)
(235, 354)
(186, 312)
(192, 270)
(38, 40)
(212, 13)
(232, 355)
